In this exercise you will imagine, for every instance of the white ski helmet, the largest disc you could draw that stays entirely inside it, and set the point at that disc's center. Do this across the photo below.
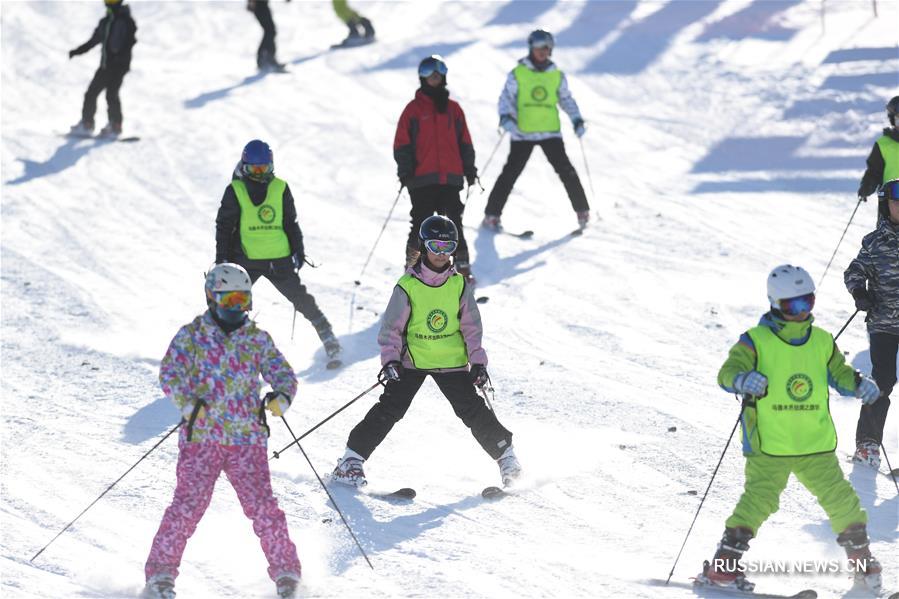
(788, 281)
(224, 278)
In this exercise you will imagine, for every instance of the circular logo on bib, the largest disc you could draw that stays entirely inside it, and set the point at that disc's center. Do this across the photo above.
(266, 214)
(437, 320)
(539, 93)
(799, 387)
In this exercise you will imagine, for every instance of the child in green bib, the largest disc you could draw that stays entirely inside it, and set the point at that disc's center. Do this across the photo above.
(783, 368)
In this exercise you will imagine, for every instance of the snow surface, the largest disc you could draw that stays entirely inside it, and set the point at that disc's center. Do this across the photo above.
(723, 138)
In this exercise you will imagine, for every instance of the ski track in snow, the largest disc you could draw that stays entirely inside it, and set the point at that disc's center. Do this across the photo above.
(719, 146)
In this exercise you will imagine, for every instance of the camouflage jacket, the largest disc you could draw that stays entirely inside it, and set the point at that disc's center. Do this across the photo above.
(877, 265)
(203, 363)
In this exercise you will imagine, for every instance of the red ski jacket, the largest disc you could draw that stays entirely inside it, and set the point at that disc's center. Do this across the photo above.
(432, 148)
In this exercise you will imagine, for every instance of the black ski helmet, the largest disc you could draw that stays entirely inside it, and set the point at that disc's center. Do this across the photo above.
(540, 38)
(438, 227)
(893, 109)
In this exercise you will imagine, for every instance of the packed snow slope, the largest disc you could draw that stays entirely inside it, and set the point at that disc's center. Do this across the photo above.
(723, 138)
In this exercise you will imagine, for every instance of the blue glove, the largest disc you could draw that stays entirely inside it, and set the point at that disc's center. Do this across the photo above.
(751, 383)
(867, 390)
(508, 123)
(579, 127)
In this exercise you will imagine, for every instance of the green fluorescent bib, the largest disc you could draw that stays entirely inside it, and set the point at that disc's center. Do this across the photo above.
(889, 149)
(538, 94)
(794, 418)
(262, 235)
(433, 335)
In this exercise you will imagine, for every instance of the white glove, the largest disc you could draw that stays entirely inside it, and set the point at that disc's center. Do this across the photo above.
(867, 391)
(276, 403)
(751, 383)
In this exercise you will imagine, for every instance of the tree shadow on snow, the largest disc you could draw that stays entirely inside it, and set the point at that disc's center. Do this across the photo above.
(490, 268)
(65, 156)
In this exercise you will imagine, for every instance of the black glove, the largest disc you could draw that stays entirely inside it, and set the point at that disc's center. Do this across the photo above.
(862, 299)
(404, 181)
(862, 198)
(298, 259)
(392, 371)
(71, 54)
(471, 176)
(478, 375)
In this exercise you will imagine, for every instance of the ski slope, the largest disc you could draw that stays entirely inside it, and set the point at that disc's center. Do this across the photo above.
(723, 138)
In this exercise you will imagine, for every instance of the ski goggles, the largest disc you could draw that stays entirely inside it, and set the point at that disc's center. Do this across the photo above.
(793, 306)
(233, 300)
(541, 40)
(258, 170)
(439, 246)
(430, 65)
(889, 191)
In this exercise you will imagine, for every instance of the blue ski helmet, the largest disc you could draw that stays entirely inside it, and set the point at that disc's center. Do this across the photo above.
(257, 162)
(540, 38)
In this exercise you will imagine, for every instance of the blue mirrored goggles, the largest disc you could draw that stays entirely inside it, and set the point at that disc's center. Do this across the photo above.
(889, 191)
(430, 65)
(439, 246)
(794, 306)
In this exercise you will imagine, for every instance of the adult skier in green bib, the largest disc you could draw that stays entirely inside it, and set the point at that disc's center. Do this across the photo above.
(431, 327)
(783, 368)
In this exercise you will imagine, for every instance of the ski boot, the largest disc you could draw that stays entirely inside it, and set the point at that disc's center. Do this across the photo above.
(111, 130)
(509, 468)
(725, 569)
(866, 568)
(327, 337)
(349, 470)
(412, 254)
(161, 586)
(491, 223)
(286, 586)
(82, 129)
(368, 30)
(583, 217)
(867, 453)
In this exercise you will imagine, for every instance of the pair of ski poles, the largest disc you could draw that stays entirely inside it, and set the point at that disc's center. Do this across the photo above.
(276, 454)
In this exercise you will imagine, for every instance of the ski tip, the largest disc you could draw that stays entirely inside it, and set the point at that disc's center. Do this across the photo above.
(333, 364)
(526, 234)
(357, 282)
(492, 492)
(483, 299)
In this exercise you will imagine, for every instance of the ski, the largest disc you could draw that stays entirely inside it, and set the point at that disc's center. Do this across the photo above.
(576, 233)
(358, 41)
(892, 474)
(710, 590)
(482, 300)
(406, 494)
(334, 364)
(522, 235)
(493, 493)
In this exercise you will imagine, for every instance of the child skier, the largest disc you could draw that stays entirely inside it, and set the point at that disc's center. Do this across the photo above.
(256, 227)
(873, 280)
(116, 32)
(883, 161)
(431, 327)
(211, 373)
(527, 110)
(434, 157)
(783, 366)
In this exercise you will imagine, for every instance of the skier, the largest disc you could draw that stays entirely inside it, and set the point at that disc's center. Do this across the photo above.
(527, 110)
(116, 34)
(883, 161)
(434, 157)
(873, 280)
(265, 55)
(782, 368)
(361, 29)
(431, 327)
(257, 228)
(211, 373)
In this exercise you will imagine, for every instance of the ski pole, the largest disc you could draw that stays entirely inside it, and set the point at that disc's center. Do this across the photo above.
(384, 226)
(889, 466)
(587, 170)
(327, 492)
(721, 459)
(490, 158)
(844, 326)
(293, 326)
(857, 204)
(483, 389)
(109, 488)
(277, 454)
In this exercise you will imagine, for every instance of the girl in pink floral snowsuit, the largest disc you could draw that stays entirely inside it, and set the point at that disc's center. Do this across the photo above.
(211, 372)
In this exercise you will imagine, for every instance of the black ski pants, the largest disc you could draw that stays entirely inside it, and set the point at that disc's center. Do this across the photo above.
(519, 153)
(109, 79)
(288, 283)
(456, 386)
(442, 199)
(873, 417)
(266, 52)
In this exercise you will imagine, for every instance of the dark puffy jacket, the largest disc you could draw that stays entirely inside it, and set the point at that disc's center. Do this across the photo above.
(877, 265)
(116, 31)
(433, 148)
(227, 228)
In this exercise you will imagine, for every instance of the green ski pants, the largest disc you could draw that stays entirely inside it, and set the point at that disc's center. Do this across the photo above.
(766, 478)
(344, 12)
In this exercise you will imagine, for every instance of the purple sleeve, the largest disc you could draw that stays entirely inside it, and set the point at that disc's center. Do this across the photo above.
(275, 369)
(470, 324)
(175, 369)
(391, 337)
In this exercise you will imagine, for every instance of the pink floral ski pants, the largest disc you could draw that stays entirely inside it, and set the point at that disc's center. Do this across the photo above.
(199, 466)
